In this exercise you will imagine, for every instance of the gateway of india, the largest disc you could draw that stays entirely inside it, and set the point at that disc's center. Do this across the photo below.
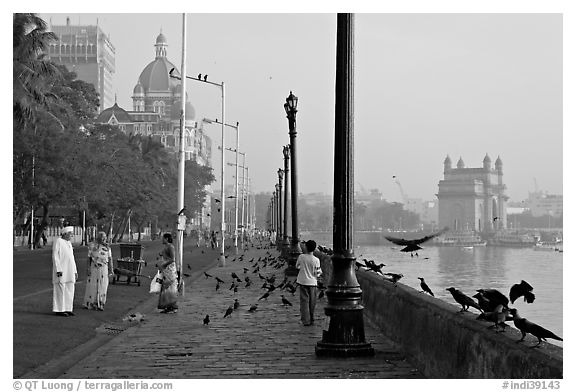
(472, 198)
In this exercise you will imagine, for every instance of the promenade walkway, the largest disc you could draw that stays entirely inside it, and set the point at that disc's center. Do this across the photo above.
(268, 343)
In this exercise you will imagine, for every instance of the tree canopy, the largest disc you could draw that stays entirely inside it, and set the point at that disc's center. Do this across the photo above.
(62, 159)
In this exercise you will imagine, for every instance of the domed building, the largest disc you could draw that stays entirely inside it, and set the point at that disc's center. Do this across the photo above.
(157, 101)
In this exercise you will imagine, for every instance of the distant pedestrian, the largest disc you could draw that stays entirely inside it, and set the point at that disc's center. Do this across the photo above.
(64, 274)
(308, 274)
(99, 269)
(169, 291)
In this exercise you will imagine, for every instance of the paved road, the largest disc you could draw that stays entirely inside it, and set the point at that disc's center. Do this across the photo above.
(40, 337)
(268, 343)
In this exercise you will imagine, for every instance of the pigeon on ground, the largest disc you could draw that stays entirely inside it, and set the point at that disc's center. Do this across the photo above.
(228, 311)
(236, 304)
(219, 280)
(286, 302)
(425, 287)
(499, 317)
(207, 275)
(264, 296)
(394, 278)
(206, 320)
(253, 308)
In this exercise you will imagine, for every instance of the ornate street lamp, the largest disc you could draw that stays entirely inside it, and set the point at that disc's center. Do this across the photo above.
(344, 333)
(291, 109)
(280, 222)
(285, 243)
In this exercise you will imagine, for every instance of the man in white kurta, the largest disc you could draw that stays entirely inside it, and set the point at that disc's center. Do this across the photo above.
(64, 273)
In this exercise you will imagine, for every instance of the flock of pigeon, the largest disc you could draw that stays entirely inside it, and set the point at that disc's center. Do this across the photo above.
(251, 273)
(492, 304)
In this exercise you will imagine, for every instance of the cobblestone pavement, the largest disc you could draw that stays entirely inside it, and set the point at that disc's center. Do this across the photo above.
(268, 343)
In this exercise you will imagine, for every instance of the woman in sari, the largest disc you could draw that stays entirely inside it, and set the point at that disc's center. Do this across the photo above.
(169, 291)
(99, 269)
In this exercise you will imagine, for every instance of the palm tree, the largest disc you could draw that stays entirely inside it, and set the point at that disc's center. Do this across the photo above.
(31, 70)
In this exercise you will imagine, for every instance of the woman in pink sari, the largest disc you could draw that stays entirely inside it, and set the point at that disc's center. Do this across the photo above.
(99, 269)
(169, 292)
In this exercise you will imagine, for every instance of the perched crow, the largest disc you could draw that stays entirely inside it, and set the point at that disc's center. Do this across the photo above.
(206, 320)
(412, 245)
(495, 297)
(285, 302)
(463, 299)
(526, 326)
(522, 289)
(484, 303)
(394, 277)
(425, 287)
(499, 317)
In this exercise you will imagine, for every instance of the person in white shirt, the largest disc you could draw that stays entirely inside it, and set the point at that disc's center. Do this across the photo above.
(64, 274)
(308, 274)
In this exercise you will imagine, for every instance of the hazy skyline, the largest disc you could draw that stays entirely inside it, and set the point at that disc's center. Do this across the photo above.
(426, 85)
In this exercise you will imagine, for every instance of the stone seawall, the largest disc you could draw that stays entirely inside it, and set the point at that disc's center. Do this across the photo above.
(444, 343)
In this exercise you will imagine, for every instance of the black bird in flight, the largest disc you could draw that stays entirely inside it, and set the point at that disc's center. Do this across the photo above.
(464, 300)
(216, 200)
(206, 320)
(285, 302)
(413, 245)
(522, 289)
(228, 311)
(526, 326)
(425, 287)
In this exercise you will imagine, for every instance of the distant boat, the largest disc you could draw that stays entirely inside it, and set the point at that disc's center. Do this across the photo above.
(513, 239)
(549, 246)
(461, 238)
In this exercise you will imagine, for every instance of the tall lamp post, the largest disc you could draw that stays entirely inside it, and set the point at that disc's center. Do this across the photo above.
(285, 243)
(344, 335)
(291, 109)
(280, 219)
(222, 90)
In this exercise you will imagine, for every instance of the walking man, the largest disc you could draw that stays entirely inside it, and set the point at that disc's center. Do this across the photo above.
(64, 273)
(308, 274)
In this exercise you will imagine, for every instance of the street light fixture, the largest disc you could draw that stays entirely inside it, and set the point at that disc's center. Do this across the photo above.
(280, 221)
(237, 127)
(221, 85)
(285, 243)
(291, 109)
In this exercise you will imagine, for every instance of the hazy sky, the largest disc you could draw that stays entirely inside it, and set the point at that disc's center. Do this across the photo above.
(426, 85)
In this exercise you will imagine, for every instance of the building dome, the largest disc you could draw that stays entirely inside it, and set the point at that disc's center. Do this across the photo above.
(487, 161)
(190, 111)
(161, 39)
(156, 76)
(116, 112)
(460, 164)
(138, 89)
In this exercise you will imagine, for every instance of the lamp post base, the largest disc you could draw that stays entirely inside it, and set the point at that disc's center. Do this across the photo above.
(343, 334)
(292, 254)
